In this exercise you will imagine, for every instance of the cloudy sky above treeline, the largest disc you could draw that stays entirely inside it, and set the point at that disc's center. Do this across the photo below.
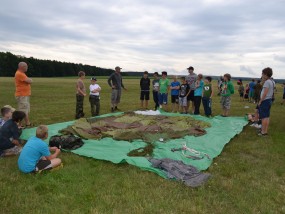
(240, 37)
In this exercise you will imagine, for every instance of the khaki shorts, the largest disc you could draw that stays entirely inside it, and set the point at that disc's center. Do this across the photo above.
(24, 104)
(116, 96)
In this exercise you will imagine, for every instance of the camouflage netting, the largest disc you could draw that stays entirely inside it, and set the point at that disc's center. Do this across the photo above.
(131, 126)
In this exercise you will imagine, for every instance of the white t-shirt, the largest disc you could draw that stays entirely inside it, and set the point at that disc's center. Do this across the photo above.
(94, 87)
(270, 85)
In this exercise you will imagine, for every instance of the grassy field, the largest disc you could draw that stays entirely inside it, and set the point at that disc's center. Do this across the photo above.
(248, 177)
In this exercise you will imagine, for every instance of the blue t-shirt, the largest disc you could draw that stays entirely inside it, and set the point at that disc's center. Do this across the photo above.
(32, 152)
(198, 91)
(175, 91)
(251, 86)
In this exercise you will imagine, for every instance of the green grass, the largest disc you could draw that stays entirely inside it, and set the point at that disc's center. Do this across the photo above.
(248, 177)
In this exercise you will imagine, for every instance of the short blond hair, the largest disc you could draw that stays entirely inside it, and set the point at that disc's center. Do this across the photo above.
(41, 131)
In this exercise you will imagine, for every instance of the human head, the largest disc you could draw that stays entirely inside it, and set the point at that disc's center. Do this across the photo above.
(174, 78)
(253, 80)
(81, 74)
(164, 74)
(6, 112)
(22, 66)
(267, 72)
(208, 79)
(118, 69)
(190, 70)
(155, 75)
(93, 80)
(42, 132)
(145, 74)
(227, 77)
(258, 81)
(200, 76)
(18, 116)
(183, 80)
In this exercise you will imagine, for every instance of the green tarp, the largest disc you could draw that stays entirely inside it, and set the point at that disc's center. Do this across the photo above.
(222, 130)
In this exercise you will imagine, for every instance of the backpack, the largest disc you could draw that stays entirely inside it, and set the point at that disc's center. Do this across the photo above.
(68, 142)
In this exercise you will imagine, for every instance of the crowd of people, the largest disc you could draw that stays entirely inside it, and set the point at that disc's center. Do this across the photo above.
(187, 93)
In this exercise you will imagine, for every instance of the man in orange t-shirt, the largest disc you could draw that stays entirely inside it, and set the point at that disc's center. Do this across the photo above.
(23, 90)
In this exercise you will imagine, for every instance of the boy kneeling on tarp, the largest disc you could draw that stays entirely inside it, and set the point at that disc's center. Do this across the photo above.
(36, 156)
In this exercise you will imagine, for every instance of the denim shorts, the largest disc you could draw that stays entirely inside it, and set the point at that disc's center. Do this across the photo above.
(264, 109)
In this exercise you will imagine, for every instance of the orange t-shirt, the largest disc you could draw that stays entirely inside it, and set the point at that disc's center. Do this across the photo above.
(22, 88)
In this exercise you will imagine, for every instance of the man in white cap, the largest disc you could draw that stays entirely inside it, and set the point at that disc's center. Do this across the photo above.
(23, 90)
(116, 83)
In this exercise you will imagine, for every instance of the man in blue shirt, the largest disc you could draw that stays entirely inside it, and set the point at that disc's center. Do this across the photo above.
(36, 155)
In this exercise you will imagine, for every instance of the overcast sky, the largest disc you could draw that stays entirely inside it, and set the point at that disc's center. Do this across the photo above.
(240, 37)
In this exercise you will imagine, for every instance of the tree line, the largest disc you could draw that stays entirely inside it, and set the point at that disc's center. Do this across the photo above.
(47, 68)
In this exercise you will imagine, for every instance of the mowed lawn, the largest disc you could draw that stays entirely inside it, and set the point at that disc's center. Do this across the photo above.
(248, 177)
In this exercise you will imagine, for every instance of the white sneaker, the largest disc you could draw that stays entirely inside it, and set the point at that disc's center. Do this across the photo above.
(258, 126)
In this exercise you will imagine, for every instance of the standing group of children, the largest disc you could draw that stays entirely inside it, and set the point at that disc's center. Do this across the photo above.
(190, 89)
(94, 96)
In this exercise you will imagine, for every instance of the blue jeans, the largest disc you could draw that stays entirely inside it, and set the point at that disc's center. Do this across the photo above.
(162, 97)
(207, 103)
(155, 99)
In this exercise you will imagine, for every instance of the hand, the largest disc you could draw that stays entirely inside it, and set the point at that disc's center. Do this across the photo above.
(113, 86)
(54, 148)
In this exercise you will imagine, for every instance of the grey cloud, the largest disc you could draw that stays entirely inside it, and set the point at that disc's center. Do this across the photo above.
(249, 71)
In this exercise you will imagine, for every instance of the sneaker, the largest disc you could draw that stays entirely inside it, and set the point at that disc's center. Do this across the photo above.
(262, 134)
(258, 126)
(112, 110)
(160, 106)
(253, 124)
(116, 108)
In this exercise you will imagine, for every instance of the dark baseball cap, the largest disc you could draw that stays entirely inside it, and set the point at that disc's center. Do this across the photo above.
(94, 78)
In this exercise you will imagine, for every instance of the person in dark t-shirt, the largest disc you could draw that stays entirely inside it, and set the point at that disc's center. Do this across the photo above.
(184, 91)
(145, 85)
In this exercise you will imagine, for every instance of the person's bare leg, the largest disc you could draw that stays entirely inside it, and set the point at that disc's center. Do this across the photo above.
(27, 120)
(193, 107)
(55, 162)
(141, 103)
(264, 126)
(146, 104)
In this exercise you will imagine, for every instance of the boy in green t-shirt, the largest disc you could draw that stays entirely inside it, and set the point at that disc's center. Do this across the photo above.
(207, 96)
(227, 91)
(164, 86)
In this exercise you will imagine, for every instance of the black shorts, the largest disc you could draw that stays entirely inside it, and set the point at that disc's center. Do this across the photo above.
(174, 99)
(241, 94)
(43, 165)
(144, 95)
(190, 97)
(284, 96)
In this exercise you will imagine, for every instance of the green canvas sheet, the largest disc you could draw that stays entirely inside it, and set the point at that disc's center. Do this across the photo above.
(222, 130)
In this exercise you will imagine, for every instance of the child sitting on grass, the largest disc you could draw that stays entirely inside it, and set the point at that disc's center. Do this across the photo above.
(36, 156)
(227, 91)
(6, 113)
(10, 134)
